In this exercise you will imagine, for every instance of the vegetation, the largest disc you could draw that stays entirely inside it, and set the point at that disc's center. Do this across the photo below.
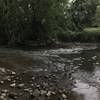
(87, 35)
(92, 30)
(41, 21)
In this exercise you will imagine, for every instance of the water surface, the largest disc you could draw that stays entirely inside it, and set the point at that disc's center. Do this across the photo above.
(82, 61)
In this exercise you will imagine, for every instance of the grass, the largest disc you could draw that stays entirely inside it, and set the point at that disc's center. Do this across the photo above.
(94, 30)
(91, 34)
(87, 35)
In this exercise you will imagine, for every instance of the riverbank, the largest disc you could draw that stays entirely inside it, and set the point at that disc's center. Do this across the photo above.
(55, 46)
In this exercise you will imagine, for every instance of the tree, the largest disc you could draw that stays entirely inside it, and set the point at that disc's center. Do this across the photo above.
(83, 12)
(22, 20)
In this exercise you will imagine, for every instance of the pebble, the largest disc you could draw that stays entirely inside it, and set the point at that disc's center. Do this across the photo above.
(45, 84)
(53, 93)
(8, 78)
(36, 92)
(94, 57)
(32, 84)
(43, 92)
(3, 94)
(64, 96)
(33, 78)
(13, 85)
(3, 70)
(13, 73)
(28, 90)
(38, 86)
(97, 63)
(20, 86)
(2, 97)
(49, 93)
(1, 82)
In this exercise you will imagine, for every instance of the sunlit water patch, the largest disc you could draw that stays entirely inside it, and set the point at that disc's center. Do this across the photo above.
(85, 92)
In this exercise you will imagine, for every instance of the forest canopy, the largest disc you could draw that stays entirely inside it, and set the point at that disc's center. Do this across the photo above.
(42, 20)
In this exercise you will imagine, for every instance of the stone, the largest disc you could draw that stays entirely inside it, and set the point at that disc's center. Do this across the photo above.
(94, 57)
(7, 78)
(3, 94)
(1, 82)
(13, 85)
(43, 92)
(32, 84)
(45, 84)
(53, 93)
(2, 97)
(97, 63)
(4, 91)
(33, 78)
(20, 86)
(48, 93)
(36, 93)
(64, 96)
(3, 70)
(13, 73)
(28, 90)
(38, 86)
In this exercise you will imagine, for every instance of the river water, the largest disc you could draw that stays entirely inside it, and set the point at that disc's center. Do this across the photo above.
(86, 61)
(83, 59)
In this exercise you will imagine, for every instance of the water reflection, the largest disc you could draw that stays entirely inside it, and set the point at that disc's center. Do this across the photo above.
(86, 92)
(87, 76)
(96, 75)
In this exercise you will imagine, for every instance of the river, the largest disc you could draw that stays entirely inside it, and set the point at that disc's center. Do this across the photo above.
(81, 60)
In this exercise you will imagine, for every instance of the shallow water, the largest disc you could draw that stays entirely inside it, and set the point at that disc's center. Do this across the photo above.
(87, 74)
(86, 63)
(84, 60)
(86, 92)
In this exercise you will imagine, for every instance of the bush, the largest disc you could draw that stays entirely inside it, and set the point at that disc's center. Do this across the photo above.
(87, 35)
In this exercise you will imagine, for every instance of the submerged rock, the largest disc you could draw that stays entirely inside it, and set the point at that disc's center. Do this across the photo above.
(64, 96)
(4, 91)
(36, 93)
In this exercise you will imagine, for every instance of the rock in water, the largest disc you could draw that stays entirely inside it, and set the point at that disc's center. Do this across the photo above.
(36, 93)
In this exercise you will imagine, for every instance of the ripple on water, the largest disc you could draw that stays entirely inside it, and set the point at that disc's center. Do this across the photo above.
(66, 51)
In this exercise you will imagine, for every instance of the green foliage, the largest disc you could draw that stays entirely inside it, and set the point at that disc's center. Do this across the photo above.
(42, 21)
(21, 20)
(83, 12)
(92, 30)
